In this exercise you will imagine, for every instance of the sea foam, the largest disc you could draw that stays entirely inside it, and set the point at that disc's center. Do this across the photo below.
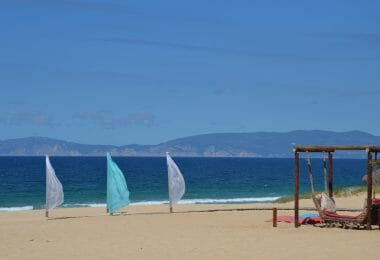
(210, 201)
(16, 208)
(184, 201)
(157, 202)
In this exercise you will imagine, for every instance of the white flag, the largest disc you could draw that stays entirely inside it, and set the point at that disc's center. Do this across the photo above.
(54, 191)
(176, 181)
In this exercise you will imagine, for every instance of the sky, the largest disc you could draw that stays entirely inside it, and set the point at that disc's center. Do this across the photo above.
(145, 72)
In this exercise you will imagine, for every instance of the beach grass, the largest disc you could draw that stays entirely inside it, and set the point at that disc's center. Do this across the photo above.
(338, 192)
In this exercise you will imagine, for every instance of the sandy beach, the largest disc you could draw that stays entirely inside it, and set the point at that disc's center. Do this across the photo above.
(150, 232)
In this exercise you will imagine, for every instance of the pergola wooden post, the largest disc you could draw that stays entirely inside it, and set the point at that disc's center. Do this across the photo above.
(330, 149)
(330, 176)
(369, 189)
(296, 186)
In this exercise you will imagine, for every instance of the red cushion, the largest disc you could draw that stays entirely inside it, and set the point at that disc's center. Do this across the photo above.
(335, 215)
(312, 221)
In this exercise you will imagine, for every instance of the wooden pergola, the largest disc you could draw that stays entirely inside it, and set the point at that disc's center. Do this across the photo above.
(330, 149)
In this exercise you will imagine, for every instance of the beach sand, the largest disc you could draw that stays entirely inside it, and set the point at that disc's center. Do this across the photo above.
(150, 232)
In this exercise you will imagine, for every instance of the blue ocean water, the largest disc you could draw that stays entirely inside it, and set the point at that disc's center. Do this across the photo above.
(208, 180)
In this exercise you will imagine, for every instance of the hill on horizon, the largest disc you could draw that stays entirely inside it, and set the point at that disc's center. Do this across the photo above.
(257, 144)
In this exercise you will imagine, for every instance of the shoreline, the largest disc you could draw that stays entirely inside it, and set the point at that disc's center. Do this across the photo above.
(203, 201)
(346, 200)
(339, 192)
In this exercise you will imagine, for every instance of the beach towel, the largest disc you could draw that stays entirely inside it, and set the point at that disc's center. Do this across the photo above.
(307, 218)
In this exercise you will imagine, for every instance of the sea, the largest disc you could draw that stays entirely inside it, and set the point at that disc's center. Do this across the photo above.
(208, 180)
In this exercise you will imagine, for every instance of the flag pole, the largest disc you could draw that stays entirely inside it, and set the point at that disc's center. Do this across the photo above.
(170, 203)
(107, 195)
(46, 208)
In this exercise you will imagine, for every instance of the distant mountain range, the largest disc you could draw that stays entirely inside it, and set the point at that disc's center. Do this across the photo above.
(258, 144)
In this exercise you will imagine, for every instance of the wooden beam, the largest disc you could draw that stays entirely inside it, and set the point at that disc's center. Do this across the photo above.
(333, 148)
(311, 148)
(330, 177)
(374, 149)
(296, 187)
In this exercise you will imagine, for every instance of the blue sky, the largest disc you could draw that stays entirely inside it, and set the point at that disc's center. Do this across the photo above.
(122, 72)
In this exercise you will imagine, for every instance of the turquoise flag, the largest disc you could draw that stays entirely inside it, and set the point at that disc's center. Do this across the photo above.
(117, 190)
